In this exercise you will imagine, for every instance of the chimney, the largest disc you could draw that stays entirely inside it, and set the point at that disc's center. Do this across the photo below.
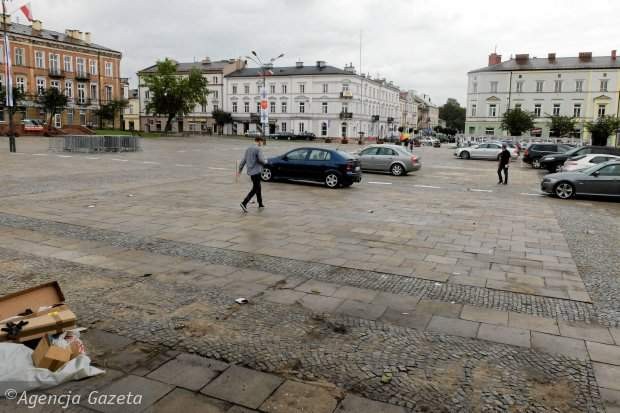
(613, 54)
(349, 68)
(551, 57)
(320, 64)
(206, 60)
(6, 18)
(585, 56)
(522, 58)
(37, 25)
(87, 37)
(494, 59)
(299, 65)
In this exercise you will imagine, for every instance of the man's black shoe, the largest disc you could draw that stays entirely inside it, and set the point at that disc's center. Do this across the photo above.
(243, 207)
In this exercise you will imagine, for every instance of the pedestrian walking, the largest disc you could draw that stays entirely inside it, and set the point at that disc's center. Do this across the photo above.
(253, 160)
(504, 160)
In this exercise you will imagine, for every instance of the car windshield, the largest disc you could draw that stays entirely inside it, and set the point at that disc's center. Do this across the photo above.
(572, 151)
(591, 169)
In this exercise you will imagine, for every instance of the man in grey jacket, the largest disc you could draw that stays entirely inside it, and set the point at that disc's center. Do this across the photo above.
(253, 160)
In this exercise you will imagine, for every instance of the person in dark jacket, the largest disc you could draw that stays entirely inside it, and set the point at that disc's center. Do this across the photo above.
(504, 160)
(253, 160)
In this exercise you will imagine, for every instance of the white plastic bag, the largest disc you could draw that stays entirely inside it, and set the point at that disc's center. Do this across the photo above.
(17, 372)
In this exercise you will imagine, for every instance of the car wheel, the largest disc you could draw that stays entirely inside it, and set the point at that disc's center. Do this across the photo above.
(536, 164)
(266, 174)
(564, 190)
(464, 155)
(332, 180)
(397, 169)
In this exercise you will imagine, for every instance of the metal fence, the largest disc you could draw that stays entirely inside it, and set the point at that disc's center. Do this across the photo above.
(93, 144)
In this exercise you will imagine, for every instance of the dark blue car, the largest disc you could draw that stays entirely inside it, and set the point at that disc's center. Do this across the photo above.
(331, 167)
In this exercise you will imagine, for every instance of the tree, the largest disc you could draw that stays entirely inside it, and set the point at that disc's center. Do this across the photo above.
(562, 126)
(109, 110)
(602, 128)
(516, 121)
(19, 98)
(53, 101)
(174, 95)
(453, 114)
(222, 118)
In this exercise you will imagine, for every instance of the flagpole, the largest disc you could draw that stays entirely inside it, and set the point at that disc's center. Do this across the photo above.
(9, 93)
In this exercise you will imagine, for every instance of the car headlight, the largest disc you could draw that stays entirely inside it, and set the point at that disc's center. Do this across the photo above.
(550, 158)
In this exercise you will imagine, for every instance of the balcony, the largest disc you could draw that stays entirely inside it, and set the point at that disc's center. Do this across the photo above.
(346, 94)
(346, 115)
(82, 101)
(55, 72)
(374, 118)
(390, 119)
(83, 76)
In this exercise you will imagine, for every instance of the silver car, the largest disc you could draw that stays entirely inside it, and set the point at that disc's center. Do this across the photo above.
(488, 150)
(602, 179)
(394, 159)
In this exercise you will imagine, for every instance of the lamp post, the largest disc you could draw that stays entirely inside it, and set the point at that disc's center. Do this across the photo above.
(264, 105)
(9, 79)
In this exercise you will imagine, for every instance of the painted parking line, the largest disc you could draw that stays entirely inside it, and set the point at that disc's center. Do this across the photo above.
(184, 165)
(480, 190)
(181, 151)
(428, 186)
(529, 194)
(18, 153)
(39, 154)
(119, 160)
(150, 162)
(379, 183)
(92, 158)
(217, 169)
(64, 156)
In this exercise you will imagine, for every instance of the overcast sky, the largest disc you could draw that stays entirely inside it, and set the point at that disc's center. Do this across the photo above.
(424, 45)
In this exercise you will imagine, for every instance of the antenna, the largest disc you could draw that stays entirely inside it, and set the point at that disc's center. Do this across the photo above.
(495, 50)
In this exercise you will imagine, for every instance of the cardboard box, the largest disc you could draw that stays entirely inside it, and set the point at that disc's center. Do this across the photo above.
(50, 323)
(30, 299)
(50, 357)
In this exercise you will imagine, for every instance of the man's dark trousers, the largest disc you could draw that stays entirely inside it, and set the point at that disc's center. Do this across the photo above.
(256, 190)
(503, 167)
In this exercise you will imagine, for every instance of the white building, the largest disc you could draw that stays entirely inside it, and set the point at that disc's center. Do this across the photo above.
(428, 113)
(408, 111)
(322, 99)
(584, 87)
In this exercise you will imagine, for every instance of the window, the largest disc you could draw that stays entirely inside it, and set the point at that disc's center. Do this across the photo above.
(234, 107)
(475, 87)
(215, 94)
(272, 89)
(302, 107)
(369, 151)
(19, 57)
(39, 60)
(301, 127)
(70, 117)
(610, 170)
(147, 94)
(579, 86)
(68, 64)
(55, 84)
(93, 91)
(93, 68)
(599, 159)
(215, 79)
(325, 88)
(557, 88)
(601, 110)
(493, 87)
(80, 65)
(108, 69)
(284, 89)
(386, 152)
(69, 88)
(518, 106)
(319, 155)
(323, 128)
(283, 106)
(474, 107)
(604, 85)
(539, 85)
(216, 107)
(272, 107)
(537, 110)
(234, 89)
(556, 109)
(492, 110)
(283, 127)
(324, 107)
(489, 131)
(345, 107)
(520, 86)
(1, 61)
(81, 93)
(108, 93)
(246, 89)
(297, 155)
(302, 88)
(472, 130)
(257, 107)
(40, 85)
(55, 62)
(577, 110)
(246, 107)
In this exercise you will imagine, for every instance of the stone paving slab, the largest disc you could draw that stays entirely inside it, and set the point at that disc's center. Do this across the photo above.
(611, 398)
(356, 404)
(409, 319)
(528, 322)
(190, 372)
(243, 386)
(604, 353)
(361, 309)
(184, 401)
(484, 315)
(607, 375)
(293, 396)
(462, 328)
(506, 335)
(150, 390)
(585, 331)
(569, 347)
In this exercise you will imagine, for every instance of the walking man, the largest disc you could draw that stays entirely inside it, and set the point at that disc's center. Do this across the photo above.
(504, 160)
(253, 160)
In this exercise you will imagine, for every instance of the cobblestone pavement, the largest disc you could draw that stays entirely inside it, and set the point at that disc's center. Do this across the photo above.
(438, 291)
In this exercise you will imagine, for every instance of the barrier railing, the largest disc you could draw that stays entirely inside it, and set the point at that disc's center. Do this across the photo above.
(92, 144)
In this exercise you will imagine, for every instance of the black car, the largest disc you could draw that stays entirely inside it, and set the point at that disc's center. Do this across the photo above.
(282, 136)
(309, 136)
(290, 136)
(535, 151)
(331, 167)
(553, 162)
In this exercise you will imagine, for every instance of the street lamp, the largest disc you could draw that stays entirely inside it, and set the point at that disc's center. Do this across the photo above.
(263, 104)
(8, 75)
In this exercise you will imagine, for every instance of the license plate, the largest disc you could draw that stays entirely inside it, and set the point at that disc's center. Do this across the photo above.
(357, 168)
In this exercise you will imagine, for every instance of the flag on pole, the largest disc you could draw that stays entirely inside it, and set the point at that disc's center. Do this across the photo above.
(27, 10)
(8, 71)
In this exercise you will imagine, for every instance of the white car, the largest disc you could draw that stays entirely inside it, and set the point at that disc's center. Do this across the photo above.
(585, 161)
(489, 150)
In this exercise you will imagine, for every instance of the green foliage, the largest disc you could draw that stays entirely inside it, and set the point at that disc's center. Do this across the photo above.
(53, 101)
(516, 121)
(562, 126)
(109, 110)
(172, 94)
(453, 114)
(222, 118)
(19, 99)
(602, 128)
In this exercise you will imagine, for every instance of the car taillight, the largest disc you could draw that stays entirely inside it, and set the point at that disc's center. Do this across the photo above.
(414, 158)
(526, 152)
(349, 166)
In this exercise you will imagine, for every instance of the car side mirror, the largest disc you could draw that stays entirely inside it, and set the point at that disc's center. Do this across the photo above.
(284, 158)
(596, 173)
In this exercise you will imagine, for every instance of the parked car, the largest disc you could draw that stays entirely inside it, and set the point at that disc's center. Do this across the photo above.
(394, 159)
(602, 179)
(535, 151)
(283, 136)
(309, 136)
(253, 134)
(484, 151)
(577, 163)
(332, 167)
(436, 143)
(553, 162)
